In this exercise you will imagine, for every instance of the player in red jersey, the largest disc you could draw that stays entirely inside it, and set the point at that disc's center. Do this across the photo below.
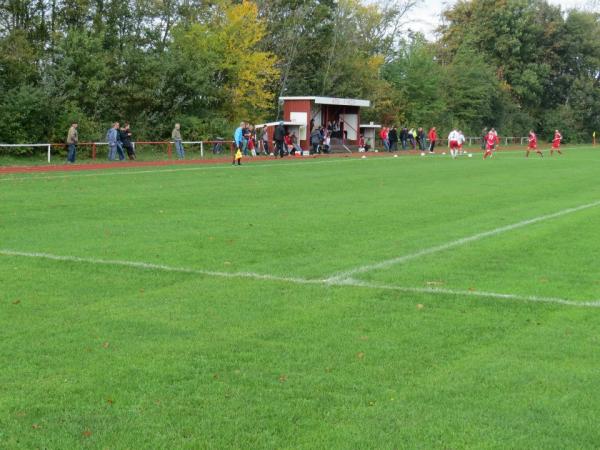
(432, 138)
(532, 147)
(556, 143)
(491, 141)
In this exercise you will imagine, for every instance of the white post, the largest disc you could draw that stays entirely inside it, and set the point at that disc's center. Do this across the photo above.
(201, 149)
(49, 146)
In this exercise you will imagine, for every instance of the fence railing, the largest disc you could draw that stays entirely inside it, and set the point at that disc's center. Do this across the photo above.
(93, 146)
(217, 146)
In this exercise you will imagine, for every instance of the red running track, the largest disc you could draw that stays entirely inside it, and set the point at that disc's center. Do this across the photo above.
(128, 164)
(212, 161)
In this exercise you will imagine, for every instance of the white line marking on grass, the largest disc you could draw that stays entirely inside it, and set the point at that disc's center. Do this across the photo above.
(133, 171)
(303, 281)
(160, 267)
(439, 248)
(495, 295)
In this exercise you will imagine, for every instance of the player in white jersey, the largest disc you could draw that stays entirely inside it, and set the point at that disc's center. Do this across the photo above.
(453, 142)
(461, 141)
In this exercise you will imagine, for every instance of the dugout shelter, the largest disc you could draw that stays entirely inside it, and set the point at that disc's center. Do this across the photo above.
(310, 112)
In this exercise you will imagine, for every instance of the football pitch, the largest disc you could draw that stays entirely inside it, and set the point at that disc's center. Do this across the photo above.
(412, 302)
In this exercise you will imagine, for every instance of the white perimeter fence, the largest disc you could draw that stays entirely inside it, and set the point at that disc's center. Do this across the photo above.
(224, 146)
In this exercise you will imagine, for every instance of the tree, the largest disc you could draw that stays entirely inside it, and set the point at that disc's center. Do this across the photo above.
(471, 90)
(415, 78)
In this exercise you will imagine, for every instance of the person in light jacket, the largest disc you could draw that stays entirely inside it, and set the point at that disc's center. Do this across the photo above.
(72, 140)
(176, 136)
(112, 136)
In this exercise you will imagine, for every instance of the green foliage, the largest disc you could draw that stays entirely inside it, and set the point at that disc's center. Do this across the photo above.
(416, 92)
(547, 63)
(471, 89)
(513, 64)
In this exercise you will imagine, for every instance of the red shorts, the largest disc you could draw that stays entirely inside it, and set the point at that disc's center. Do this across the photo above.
(556, 144)
(532, 146)
(453, 145)
(490, 146)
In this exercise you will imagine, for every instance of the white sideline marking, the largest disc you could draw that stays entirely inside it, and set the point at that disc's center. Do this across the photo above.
(304, 281)
(439, 248)
(523, 298)
(161, 267)
(133, 171)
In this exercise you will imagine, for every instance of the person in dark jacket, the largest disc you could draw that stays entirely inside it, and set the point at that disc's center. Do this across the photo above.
(421, 138)
(404, 137)
(393, 138)
(315, 140)
(279, 137)
(125, 138)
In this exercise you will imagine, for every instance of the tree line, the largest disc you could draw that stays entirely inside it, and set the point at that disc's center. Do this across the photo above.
(512, 64)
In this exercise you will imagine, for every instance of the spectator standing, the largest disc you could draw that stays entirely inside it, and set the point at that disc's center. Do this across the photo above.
(176, 136)
(411, 138)
(72, 140)
(238, 136)
(246, 133)
(393, 139)
(421, 138)
(112, 137)
(315, 140)
(432, 139)
(383, 134)
(125, 137)
(279, 137)
(265, 141)
(404, 137)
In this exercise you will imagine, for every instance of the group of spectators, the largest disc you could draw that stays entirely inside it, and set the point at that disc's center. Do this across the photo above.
(406, 137)
(119, 141)
(252, 141)
(117, 136)
(320, 139)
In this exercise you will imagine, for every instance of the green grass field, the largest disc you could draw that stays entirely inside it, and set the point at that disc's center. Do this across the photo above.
(339, 303)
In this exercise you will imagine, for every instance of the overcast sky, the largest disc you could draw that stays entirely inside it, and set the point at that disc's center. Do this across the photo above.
(426, 16)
